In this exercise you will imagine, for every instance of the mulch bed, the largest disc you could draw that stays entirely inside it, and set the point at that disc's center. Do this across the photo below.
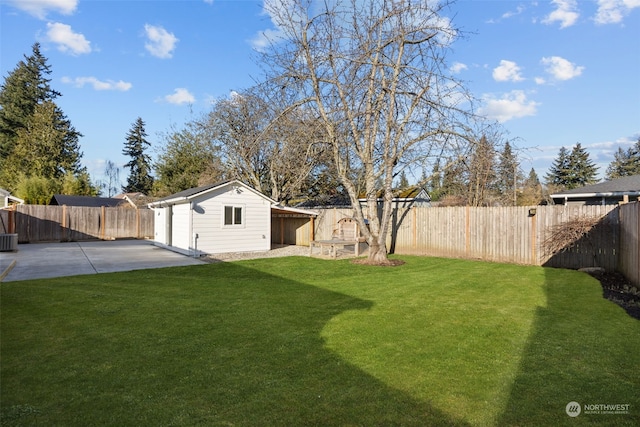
(616, 288)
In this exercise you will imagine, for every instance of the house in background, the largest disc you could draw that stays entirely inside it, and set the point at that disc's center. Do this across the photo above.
(6, 199)
(88, 201)
(626, 189)
(410, 196)
(228, 216)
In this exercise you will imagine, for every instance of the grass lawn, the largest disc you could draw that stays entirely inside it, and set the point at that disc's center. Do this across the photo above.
(300, 341)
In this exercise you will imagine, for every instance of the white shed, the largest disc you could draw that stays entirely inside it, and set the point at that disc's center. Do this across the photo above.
(227, 216)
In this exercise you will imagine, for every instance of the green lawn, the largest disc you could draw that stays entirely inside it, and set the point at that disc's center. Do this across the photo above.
(300, 341)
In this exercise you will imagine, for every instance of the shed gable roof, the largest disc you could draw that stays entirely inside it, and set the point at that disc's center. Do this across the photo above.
(189, 194)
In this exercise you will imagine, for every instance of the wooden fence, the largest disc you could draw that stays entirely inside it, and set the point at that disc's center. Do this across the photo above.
(629, 264)
(40, 223)
(501, 234)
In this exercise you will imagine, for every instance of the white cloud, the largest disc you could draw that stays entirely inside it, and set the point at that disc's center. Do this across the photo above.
(458, 67)
(560, 68)
(180, 96)
(510, 106)
(98, 84)
(518, 11)
(161, 43)
(507, 71)
(614, 11)
(566, 13)
(40, 8)
(67, 40)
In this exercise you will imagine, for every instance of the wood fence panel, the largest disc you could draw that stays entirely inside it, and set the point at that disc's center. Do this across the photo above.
(501, 234)
(629, 264)
(40, 223)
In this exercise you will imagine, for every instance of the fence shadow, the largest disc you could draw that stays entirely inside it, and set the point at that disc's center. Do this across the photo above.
(599, 247)
(566, 360)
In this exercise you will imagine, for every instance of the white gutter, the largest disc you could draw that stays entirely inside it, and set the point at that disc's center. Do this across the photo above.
(609, 194)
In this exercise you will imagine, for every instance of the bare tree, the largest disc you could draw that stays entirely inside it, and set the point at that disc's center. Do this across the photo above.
(266, 144)
(374, 73)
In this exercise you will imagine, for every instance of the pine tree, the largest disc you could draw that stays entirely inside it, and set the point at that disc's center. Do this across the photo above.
(508, 175)
(572, 170)
(24, 88)
(582, 169)
(139, 179)
(403, 182)
(558, 174)
(36, 138)
(531, 190)
(482, 174)
(625, 163)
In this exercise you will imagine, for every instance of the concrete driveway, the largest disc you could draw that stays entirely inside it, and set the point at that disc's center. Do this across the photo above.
(45, 260)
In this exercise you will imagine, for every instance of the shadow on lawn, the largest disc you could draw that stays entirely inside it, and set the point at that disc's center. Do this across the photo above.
(212, 346)
(581, 349)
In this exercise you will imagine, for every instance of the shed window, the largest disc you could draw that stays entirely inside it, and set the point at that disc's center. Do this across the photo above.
(233, 215)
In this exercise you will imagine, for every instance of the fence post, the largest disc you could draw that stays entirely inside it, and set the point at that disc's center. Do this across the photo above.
(12, 221)
(534, 243)
(467, 231)
(103, 219)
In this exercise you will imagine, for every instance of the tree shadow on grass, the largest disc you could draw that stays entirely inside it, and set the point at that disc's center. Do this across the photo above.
(209, 345)
(581, 349)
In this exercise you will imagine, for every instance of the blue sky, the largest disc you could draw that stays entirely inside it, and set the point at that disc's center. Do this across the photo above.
(554, 73)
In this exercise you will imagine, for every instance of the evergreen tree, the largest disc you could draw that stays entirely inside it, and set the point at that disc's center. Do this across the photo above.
(531, 190)
(23, 89)
(625, 162)
(508, 175)
(482, 174)
(139, 179)
(36, 138)
(558, 174)
(572, 170)
(583, 170)
(188, 159)
(403, 182)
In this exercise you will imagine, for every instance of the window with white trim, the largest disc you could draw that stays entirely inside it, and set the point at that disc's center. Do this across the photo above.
(233, 215)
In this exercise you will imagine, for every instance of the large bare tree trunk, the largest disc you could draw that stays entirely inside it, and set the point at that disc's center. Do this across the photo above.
(374, 74)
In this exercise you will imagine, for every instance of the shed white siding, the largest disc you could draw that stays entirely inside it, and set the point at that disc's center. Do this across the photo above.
(214, 236)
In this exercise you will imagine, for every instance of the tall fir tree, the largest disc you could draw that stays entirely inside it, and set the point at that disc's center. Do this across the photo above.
(583, 169)
(572, 170)
(36, 138)
(531, 190)
(558, 174)
(625, 162)
(23, 89)
(509, 176)
(139, 179)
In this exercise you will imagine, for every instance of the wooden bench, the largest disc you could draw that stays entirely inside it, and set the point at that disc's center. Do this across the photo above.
(347, 234)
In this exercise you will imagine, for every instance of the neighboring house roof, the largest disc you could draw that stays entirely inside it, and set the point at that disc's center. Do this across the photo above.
(191, 193)
(615, 188)
(408, 195)
(88, 201)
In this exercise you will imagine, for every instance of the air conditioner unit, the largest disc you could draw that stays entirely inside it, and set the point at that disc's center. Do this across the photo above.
(8, 242)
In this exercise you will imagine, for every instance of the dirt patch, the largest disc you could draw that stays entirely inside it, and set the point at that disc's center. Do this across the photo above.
(616, 288)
